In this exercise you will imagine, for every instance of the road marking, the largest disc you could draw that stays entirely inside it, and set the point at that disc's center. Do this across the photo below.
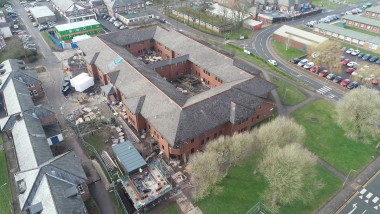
(354, 206)
(369, 195)
(324, 90)
(375, 200)
(364, 211)
(363, 191)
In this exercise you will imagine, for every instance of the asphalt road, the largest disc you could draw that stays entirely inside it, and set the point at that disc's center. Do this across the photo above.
(262, 47)
(366, 200)
(56, 100)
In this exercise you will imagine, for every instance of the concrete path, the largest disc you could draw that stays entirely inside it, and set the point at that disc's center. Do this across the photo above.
(186, 206)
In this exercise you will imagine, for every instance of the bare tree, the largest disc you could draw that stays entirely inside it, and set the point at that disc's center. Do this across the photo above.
(205, 172)
(367, 73)
(280, 131)
(290, 172)
(241, 8)
(358, 113)
(327, 55)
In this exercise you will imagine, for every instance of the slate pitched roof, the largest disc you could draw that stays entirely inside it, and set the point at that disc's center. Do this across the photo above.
(175, 116)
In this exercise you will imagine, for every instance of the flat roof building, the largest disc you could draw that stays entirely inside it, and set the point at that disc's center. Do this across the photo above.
(362, 22)
(72, 11)
(190, 96)
(297, 38)
(42, 14)
(366, 41)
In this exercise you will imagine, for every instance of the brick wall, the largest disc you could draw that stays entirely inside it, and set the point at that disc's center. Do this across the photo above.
(292, 43)
(205, 76)
(36, 90)
(371, 15)
(172, 71)
(138, 49)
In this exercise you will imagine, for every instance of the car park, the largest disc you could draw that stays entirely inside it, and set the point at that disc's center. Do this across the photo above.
(295, 60)
(273, 62)
(373, 59)
(352, 64)
(350, 70)
(324, 73)
(366, 57)
(345, 61)
(112, 20)
(349, 50)
(360, 55)
(337, 79)
(378, 61)
(352, 85)
(344, 49)
(355, 52)
(302, 62)
(35, 24)
(330, 76)
(308, 65)
(122, 27)
(345, 82)
(315, 69)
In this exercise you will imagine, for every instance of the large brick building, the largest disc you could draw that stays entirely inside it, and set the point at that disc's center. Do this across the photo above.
(372, 12)
(182, 123)
(124, 6)
(361, 22)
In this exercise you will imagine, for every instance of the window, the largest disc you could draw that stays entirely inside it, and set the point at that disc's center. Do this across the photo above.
(192, 141)
(35, 93)
(202, 142)
(192, 150)
(258, 116)
(207, 139)
(215, 135)
(163, 147)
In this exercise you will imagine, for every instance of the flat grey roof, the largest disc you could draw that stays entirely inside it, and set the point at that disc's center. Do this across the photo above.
(39, 12)
(129, 157)
(349, 33)
(362, 19)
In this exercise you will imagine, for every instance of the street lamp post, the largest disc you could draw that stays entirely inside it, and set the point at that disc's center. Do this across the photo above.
(348, 176)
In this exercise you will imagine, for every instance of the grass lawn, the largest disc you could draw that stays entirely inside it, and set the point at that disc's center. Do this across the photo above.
(289, 94)
(96, 141)
(326, 139)
(173, 208)
(262, 63)
(13, 50)
(235, 33)
(49, 41)
(330, 4)
(5, 191)
(242, 190)
(287, 54)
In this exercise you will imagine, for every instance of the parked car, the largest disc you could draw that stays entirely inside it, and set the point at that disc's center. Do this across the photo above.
(330, 76)
(315, 69)
(344, 49)
(345, 82)
(366, 57)
(355, 52)
(352, 85)
(273, 62)
(360, 55)
(35, 24)
(349, 51)
(352, 64)
(373, 59)
(295, 60)
(378, 61)
(112, 19)
(324, 73)
(122, 27)
(308, 65)
(302, 62)
(337, 79)
(345, 61)
(350, 70)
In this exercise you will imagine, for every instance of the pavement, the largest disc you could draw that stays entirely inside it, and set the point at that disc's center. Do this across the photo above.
(365, 200)
(55, 99)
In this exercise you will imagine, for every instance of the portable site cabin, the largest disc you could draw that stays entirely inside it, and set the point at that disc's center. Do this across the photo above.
(88, 27)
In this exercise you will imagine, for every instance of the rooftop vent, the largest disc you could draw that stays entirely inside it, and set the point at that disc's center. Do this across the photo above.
(21, 186)
(18, 116)
(36, 208)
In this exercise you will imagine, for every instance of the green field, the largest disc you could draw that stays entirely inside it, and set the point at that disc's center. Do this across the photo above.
(13, 50)
(173, 208)
(331, 4)
(289, 94)
(242, 190)
(5, 190)
(289, 53)
(327, 140)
